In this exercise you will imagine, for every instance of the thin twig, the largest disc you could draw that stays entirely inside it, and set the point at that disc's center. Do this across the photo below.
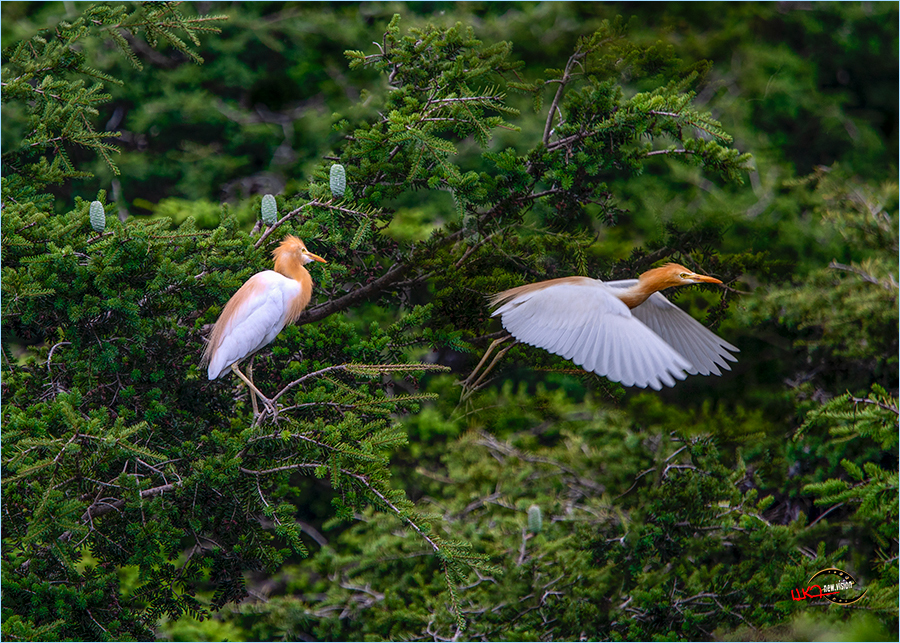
(639, 476)
(865, 276)
(679, 151)
(548, 126)
(329, 369)
(55, 346)
(886, 407)
(840, 504)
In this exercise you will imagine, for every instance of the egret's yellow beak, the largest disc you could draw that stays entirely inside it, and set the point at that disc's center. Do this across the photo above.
(705, 279)
(318, 258)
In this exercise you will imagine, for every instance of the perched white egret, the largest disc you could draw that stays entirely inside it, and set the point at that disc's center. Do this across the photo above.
(258, 311)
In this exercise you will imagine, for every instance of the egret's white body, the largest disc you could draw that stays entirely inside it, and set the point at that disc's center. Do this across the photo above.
(259, 310)
(624, 330)
(256, 322)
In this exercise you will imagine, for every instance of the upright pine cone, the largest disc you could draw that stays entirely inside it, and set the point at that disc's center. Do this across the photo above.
(98, 216)
(269, 209)
(338, 180)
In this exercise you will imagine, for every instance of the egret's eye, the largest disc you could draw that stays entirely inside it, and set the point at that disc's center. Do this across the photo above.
(684, 275)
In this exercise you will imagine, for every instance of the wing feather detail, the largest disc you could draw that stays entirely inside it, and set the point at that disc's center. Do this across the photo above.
(582, 319)
(706, 351)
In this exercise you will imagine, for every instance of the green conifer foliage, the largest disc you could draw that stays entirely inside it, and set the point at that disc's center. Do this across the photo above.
(446, 85)
(46, 76)
(123, 455)
(658, 524)
(844, 315)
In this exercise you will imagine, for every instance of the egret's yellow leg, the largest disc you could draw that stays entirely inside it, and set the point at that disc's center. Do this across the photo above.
(252, 393)
(269, 403)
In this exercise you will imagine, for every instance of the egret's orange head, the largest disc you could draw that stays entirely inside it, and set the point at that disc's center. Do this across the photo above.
(673, 274)
(292, 248)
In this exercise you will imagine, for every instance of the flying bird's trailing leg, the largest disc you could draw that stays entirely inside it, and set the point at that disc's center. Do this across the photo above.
(473, 383)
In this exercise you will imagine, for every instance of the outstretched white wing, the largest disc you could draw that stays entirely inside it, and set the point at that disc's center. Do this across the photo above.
(582, 319)
(706, 351)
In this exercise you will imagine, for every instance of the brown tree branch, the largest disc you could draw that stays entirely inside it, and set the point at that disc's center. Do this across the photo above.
(388, 279)
(100, 508)
(548, 126)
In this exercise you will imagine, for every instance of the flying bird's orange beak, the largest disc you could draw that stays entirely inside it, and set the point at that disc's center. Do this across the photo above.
(705, 279)
(318, 258)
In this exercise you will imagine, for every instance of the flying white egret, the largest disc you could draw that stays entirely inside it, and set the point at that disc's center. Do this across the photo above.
(624, 330)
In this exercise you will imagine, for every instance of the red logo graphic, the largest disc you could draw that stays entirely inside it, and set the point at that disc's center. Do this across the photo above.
(830, 590)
